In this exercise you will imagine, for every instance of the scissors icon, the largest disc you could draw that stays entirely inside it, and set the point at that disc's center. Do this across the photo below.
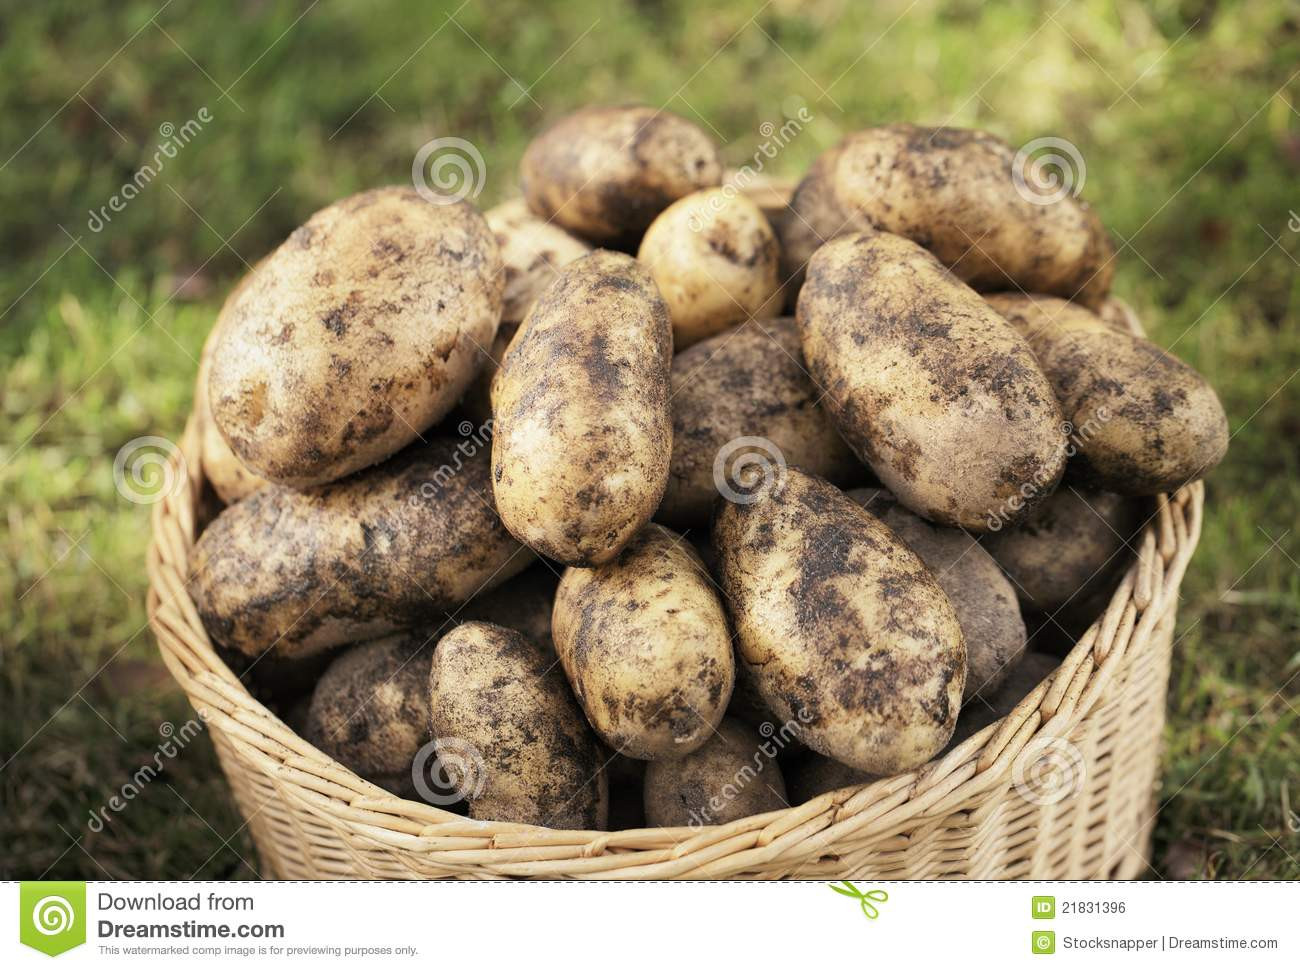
(867, 899)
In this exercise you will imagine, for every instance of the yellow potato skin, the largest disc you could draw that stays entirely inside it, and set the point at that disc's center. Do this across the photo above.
(940, 396)
(532, 254)
(583, 430)
(850, 638)
(645, 643)
(604, 173)
(1144, 422)
(714, 258)
(356, 335)
(534, 759)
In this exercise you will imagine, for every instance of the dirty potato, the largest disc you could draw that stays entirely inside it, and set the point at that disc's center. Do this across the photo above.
(518, 748)
(532, 253)
(604, 173)
(845, 629)
(645, 642)
(299, 572)
(713, 256)
(1143, 421)
(750, 383)
(939, 395)
(967, 197)
(983, 597)
(356, 335)
(733, 775)
(583, 430)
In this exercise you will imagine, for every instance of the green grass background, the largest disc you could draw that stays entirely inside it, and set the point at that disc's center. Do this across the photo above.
(1184, 111)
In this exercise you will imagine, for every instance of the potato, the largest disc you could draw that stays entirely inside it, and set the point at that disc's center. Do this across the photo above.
(645, 643)
(523, 604)
(1143, 421)
(299, 572)
(356, 335)
(532, 251)
(604, 173)
(816, 775)
(938, 395)
(1069, 550)
(846, 631)
(1031, 671)
(750, 382)
(583, 429)
(984, 599)
(957, 193)
(714, 257)
(525, 754)
(732, 776)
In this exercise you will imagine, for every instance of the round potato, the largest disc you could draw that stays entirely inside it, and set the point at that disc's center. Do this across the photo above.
(582, 432)
(645, 643)
(299, 572)
(983, 597)
(1068, 551)
(356, 335)
(749, 383)
(532, 252)
(1143, 421)
(816, 775)
(924, 381)
(521, 749)
(713, 256)
(846, 631)
(968, 198)
(523, 604)
(732, 776)
(604, 173)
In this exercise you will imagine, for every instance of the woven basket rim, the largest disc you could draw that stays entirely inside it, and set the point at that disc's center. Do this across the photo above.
(1147, 590)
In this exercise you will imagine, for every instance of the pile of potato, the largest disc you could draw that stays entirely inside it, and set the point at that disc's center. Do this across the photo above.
(561, 489)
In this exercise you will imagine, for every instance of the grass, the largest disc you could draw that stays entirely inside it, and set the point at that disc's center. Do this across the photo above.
(1185, 113)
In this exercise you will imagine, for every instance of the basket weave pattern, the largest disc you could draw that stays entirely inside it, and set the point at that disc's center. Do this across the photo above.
(963, 816)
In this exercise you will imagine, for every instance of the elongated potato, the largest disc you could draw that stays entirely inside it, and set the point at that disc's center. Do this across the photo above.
(604, 173)
(968, 198)
(356, 335)
(583, 431)
(532, 253)
(299, 572)
(646, 645)
(940, 396)
(748, 383)
(984, 599)
(846, 631)
(522, 751)
(1144, 422)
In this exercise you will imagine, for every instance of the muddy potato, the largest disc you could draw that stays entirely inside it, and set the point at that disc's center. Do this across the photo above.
(532, 253)
(939, 395)
(1031, 671)
(299, 572)
(713, 256)
(604, 173)
(732, 776)
(523, 603)
(967, 197)
(356, 335)
(845, 629)
(583, 431)
(1144, 422)
(1069, 550)
(645, 643)
(983, 597)
(748, 383)
(525, 754)
(817, 774)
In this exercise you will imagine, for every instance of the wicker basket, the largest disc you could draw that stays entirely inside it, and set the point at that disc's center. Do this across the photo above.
(962, 816)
